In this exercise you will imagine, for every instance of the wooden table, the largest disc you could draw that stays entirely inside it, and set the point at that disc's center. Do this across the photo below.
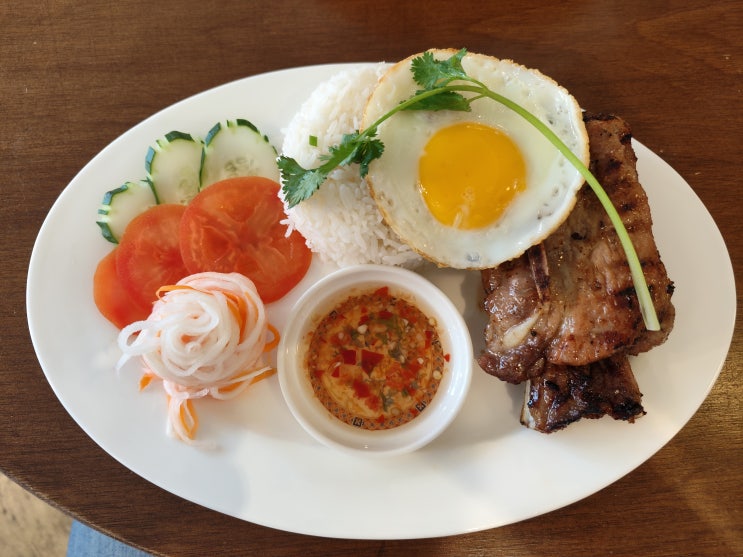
(74, 76)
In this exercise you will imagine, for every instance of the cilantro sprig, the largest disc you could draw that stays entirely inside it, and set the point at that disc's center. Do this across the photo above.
(442, 83)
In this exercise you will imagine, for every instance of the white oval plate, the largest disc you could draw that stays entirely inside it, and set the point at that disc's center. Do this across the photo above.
(485, 471)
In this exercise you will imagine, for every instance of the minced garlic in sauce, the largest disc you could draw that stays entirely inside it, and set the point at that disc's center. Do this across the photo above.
(375, 361)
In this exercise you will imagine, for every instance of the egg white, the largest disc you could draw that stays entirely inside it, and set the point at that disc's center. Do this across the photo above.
(552, 181)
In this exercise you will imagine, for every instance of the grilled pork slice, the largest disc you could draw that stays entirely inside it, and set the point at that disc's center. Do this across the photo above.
(570, 300)
(520, 318)
(563, 394)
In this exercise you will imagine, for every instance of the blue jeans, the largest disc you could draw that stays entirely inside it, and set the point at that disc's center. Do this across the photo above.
(87, 542)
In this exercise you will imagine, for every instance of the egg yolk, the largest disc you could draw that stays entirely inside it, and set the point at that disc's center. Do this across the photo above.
(469, 173)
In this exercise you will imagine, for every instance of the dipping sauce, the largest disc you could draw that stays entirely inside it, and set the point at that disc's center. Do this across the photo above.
(375, 361)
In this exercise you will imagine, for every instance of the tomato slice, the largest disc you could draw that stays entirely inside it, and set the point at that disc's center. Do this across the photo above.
(235, 226)
(149, 255)
(110, 296)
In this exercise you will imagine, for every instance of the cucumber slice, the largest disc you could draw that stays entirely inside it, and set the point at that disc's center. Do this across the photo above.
(121, 205)
(237, 148)
(172, 167)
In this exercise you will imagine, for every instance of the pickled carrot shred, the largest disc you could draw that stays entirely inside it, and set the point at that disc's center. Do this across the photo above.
(207, 336)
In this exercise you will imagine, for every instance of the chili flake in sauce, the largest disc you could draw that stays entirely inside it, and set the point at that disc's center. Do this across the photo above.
(375, 361)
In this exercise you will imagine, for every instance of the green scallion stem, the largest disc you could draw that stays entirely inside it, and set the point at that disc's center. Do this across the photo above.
(647, 308)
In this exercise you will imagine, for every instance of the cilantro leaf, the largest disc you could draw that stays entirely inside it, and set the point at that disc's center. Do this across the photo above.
(299, 183)
(345, 152)
(371, 149)
(446, 100)
(430, 73)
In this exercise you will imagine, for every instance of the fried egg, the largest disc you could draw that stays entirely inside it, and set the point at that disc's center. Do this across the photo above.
(470, 190)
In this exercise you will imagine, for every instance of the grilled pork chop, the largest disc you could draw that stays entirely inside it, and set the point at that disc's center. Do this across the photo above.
(563, 394)
(570, 300)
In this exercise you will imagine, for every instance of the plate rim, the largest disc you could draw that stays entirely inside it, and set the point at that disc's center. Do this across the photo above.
(37, 255)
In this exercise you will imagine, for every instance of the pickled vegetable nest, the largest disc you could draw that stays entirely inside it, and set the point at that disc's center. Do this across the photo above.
(375, 360)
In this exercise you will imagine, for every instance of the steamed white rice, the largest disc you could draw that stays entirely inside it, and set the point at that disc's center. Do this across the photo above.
(341, 222)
